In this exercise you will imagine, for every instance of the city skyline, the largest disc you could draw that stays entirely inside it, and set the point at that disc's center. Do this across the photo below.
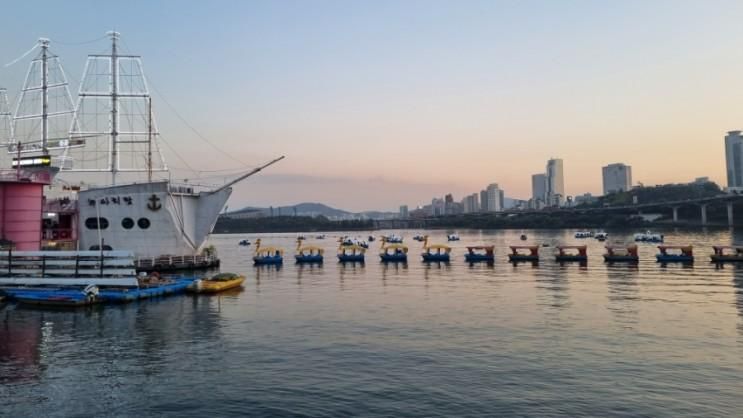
(352, 92)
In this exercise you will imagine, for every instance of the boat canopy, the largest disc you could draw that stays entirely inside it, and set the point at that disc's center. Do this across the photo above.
(720, 249)
(621, 250)
(269, 251)
(580, 248)
(533, 249)
(437, 247)
(395, 247)
(266, 250)
(344, 249)
(310, 249)
(487, 249)
(685, 249)
(428, 248)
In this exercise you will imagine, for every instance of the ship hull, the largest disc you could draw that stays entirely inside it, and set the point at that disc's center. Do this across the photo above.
(150, 219)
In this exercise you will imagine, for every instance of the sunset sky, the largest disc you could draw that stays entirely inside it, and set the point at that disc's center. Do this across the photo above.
(382, 103)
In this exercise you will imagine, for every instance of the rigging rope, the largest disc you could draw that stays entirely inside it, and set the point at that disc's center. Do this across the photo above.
(185, 122)
(22, 56)
(82, 42)
(176, 153)
(189, 126)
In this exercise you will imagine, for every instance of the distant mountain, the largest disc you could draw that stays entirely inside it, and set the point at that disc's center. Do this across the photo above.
(309, 209)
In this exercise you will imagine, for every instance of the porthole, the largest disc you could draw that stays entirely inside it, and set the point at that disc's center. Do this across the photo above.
(98, 248)
(96, 223)
(143, 223)
(127, 223)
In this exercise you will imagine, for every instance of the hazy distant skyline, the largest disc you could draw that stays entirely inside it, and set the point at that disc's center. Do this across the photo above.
(377, 104)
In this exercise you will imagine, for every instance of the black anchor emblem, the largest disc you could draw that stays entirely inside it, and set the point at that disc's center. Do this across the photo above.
(154, 204)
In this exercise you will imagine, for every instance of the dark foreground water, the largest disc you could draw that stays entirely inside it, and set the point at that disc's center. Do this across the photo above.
(415, 340)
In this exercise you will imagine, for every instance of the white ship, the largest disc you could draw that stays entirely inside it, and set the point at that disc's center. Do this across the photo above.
(112, 130)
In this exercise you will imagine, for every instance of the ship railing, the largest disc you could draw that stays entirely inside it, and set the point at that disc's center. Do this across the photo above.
(175, 262)
(25, 176)
(190, 188)
(61, 205)
(63, 268)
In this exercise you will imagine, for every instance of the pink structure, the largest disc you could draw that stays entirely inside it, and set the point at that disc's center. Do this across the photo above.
(21, 202)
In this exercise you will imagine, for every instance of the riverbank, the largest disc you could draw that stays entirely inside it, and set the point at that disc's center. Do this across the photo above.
(474, 221)
(226, 225)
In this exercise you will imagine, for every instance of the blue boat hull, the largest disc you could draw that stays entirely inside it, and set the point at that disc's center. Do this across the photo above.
(726, 258)
(621, 259)
(435, 257)
(395, 258)
(351, 258)
(130, 295)
(518, 257)
(308, 258)
(674, 258)
(75, 297)
(474, 258)
(51, 297)
(578, 258)
(268, 260)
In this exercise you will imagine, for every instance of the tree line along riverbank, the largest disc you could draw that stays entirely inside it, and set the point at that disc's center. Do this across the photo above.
(523, 221)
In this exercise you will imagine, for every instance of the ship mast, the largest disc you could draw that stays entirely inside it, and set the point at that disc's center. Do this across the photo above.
(114, 106)
(44, 106)
(44, 95)
(115, 113)
(6, 118)
(149, 139)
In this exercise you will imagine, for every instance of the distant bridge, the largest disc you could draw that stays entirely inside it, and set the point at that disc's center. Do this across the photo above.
(674, 205)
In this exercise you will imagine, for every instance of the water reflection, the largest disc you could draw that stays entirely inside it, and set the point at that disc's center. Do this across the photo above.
(481, 265)
(677, 265)
(736, 236)
(20, 339)
(30, 336)
(350, 269)
(582, 265)
(737, 270)
(623, 291)
(515, 263)
(554, 284)
(308, 269)
(438, 268)
(266, 271)
(393, 268)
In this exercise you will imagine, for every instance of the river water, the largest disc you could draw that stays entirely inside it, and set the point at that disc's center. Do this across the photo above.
(400, 340)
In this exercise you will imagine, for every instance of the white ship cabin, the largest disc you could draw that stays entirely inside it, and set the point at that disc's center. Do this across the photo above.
(150, 219)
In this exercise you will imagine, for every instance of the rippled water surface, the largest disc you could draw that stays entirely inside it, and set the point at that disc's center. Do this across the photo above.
(401, 340)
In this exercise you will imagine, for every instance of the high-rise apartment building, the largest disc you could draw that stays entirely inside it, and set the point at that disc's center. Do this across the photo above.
(554, 182)
(734, 159)
(494, 198)
(617, 178)
(470, 203)
(538, 187)
(404, 214)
